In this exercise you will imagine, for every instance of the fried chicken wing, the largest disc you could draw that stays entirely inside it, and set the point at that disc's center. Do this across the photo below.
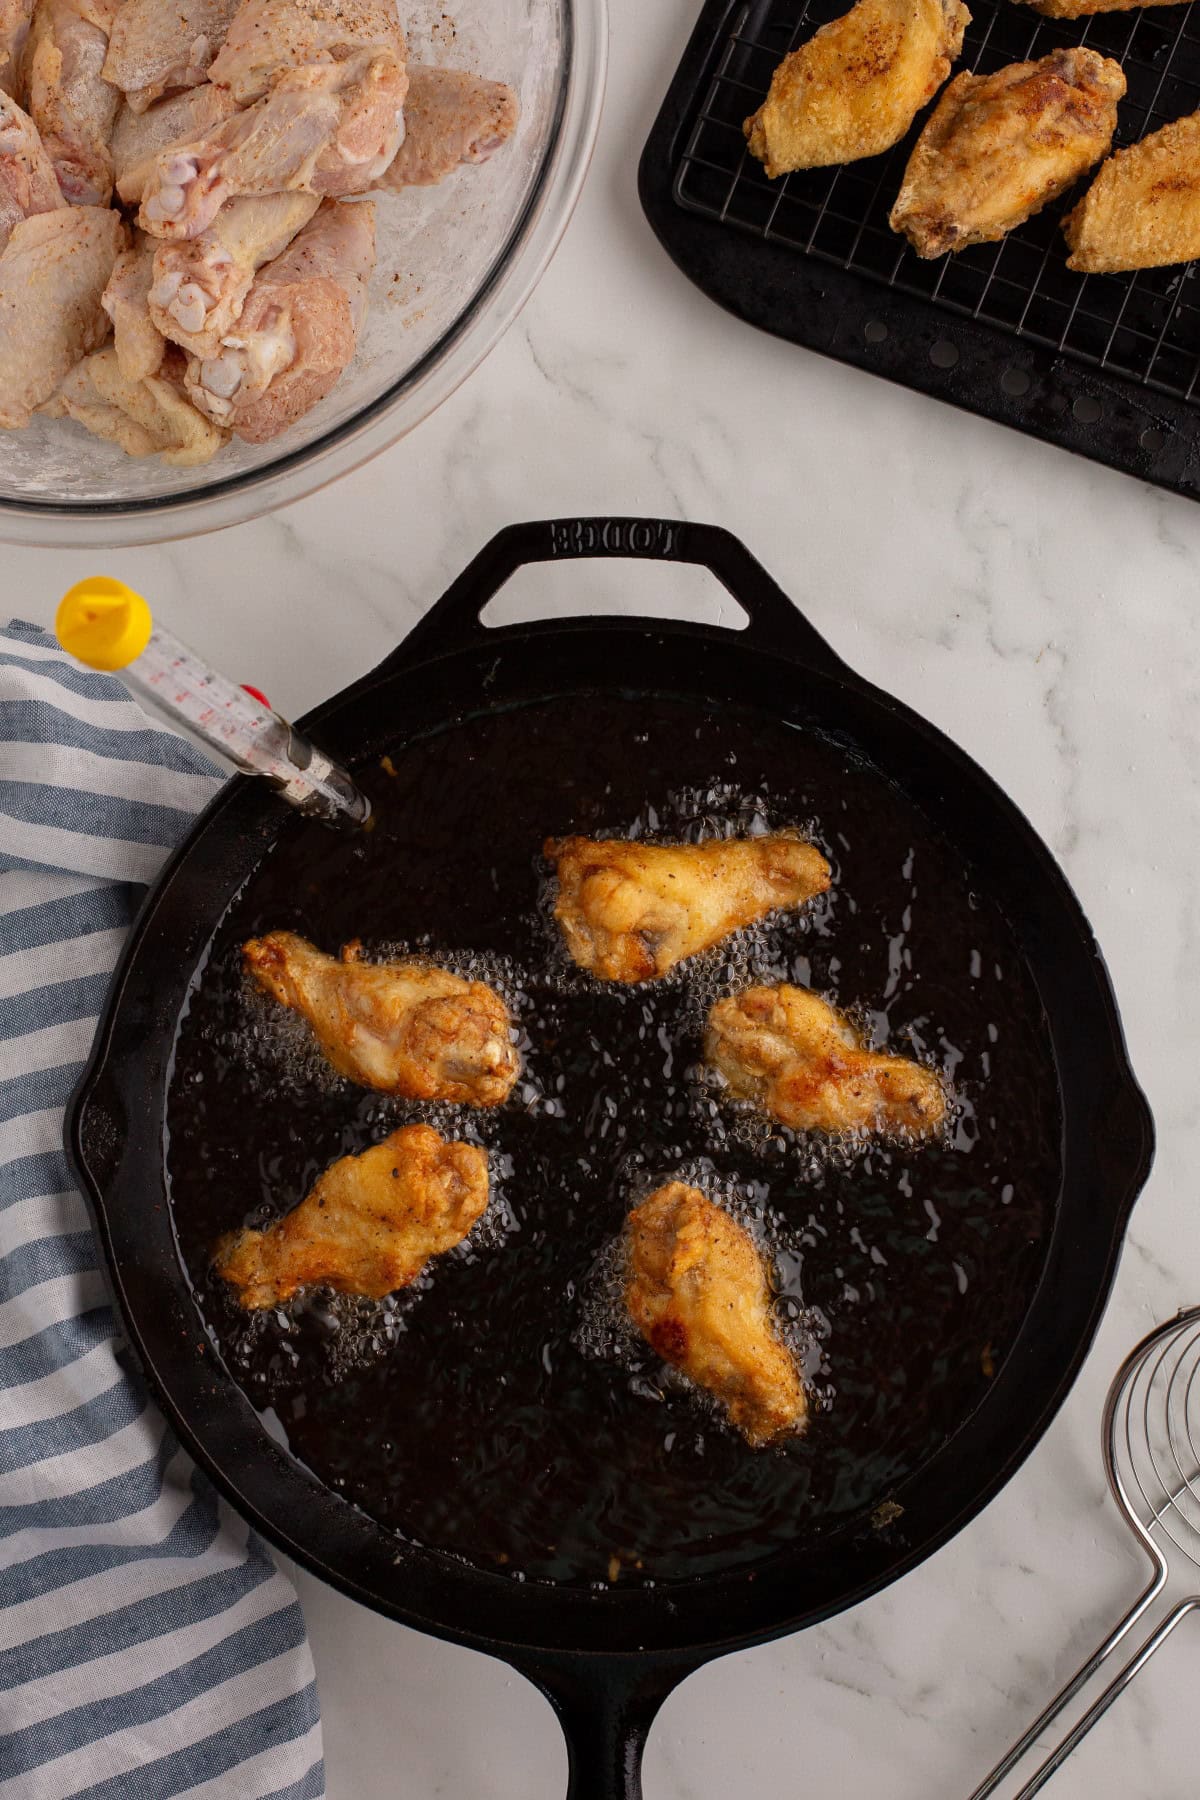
(297, 330)
(139, 138)
(1143, 209)
(28, 183)
(200, 285)
(403, 1027)
(329, 130)
(14, 30)
(70, 102)
(630, 911)
(798, 1059)
(53, 271)
(696, 1289)
(450, 118)
(1000, 147)
(1081, 9)
(370, 1224)
(268, 36)
(148, 415)
(856, 86)
(156, 49)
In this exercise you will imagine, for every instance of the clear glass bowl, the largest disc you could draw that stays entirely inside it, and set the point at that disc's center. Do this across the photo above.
(456, 264)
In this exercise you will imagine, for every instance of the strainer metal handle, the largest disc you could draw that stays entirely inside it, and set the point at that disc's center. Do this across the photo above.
(1163, 1370)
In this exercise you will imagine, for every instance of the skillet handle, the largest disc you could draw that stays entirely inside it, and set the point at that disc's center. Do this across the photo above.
(606, 1706)
(775, 622)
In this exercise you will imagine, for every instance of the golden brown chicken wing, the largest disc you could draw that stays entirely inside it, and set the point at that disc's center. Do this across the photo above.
(798, 1059)
(1000, 147)
(370, 1224)
(1143, 209)
(1082, 9)
(403, 1027)
(696, 1288)
(630, 911)
(855, 87)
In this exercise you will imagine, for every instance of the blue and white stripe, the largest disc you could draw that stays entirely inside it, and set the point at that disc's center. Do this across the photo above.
(148, 1645)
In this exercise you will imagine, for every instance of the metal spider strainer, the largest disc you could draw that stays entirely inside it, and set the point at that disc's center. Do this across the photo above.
(1151, 1444)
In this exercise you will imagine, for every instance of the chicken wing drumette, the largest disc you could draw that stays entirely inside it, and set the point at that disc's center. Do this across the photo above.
(370, 1224)
(696, 1289)
(856, 86)
(1000, 147)
(403, 1027)
(800, 1060)
(1143, 209)
(630, 911)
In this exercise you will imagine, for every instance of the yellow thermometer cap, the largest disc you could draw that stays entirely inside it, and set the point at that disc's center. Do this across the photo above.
(103, 622)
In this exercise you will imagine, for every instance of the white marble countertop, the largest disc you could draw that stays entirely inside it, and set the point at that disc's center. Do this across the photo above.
(1043, 611)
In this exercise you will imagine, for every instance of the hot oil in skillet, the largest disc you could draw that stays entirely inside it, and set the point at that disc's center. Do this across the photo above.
(464, 1415)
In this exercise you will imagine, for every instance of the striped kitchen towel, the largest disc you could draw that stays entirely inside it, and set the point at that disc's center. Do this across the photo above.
(148, 1645)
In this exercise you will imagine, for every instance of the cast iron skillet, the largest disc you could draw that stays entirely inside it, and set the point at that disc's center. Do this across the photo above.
(607, 1660)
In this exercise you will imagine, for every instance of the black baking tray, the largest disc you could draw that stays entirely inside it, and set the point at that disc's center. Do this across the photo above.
(1105, 365)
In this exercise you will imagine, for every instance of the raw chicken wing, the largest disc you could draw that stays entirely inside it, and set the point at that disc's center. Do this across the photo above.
(450, 117)
(1143, 209)
(140, 138)
(200, 286)
(28, 183)
(126, 300)
(1000, 147)
(798, 1059)
(14, 30)
(369, 1226)
(329, 130)
(856, 86)
(297, 330)
(144, 416)
(72, 105)
(156, 47)
(53, 271)
(405, 1028)
(696, 1288)
(269, 36)
(630, 911)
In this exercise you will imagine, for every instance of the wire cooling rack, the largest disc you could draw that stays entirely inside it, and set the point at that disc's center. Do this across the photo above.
(1024, 320)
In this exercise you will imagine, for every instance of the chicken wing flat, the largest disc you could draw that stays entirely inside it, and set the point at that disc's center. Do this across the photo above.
(798, 1059)
(139, 138)
(200, 285)
(1082, 9)
(28, 183)
(630, 911)
(403, 1027)
(53, 271)
(269, 36)
(450, 118)
(297, 330)
(147, 415)
(157, 49)
(855, 87)
(139, 344)
(1000, 147)
(1143, 209)
(696, 1288)
(370, 1224)
(71, 104)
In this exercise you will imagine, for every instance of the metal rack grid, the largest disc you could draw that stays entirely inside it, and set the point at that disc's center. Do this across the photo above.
(1144, 326)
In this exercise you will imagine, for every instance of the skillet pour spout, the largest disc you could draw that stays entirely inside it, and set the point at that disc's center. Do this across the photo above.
(608, 1654)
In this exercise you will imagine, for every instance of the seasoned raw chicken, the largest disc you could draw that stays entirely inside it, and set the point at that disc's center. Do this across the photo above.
(1143, 209)
(329, 130)
(696, 1288)
(126, 300)
(798, 1059)
(159, 46)
(146, 416)
(28, 183)
(53, 271)
(369, 1226)
(268, 36)
(14, 29)
(200, 286)
(403, 1027)
(297, 330)
(855, 87)
(71, 104)
(139, 138)
(630, 911)
(450, 117)
(1000, 147)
